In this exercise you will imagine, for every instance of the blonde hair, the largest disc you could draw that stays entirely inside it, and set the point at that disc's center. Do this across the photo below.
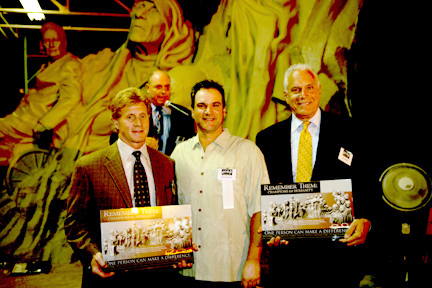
(128, 96)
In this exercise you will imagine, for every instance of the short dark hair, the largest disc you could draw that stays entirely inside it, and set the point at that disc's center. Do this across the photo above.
(207, 84)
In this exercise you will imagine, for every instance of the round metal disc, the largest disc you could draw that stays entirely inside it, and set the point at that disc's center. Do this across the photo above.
(406, 187)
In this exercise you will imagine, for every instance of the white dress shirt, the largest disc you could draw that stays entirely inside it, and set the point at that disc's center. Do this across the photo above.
(128, 161)
(296, 128)
(222, 235)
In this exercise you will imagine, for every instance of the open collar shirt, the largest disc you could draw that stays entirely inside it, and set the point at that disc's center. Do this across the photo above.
(222, 235)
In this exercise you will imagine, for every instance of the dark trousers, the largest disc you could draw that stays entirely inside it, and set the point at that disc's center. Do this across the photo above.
(190, 282)
(314, 263)
(164, 277)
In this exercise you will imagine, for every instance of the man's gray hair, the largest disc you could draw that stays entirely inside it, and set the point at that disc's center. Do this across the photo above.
(298, 67)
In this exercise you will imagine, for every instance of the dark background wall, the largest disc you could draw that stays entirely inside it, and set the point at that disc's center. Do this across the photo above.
(389, 89)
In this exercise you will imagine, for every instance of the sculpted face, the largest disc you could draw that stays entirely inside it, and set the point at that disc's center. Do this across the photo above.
(54, 46)
(148, 25)
(133, 124)
(303, 94)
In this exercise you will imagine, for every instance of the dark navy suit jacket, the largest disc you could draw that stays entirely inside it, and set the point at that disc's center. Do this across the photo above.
(336, 132)
(182, 128)
(275, 143)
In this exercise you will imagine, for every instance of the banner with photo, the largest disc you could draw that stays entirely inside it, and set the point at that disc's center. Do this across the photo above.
(322, 209)
(146, 237)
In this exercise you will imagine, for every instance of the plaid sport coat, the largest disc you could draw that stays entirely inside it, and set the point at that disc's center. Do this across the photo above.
(99, 182)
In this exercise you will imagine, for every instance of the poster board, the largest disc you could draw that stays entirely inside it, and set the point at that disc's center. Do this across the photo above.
(322, 209)
(146, 237)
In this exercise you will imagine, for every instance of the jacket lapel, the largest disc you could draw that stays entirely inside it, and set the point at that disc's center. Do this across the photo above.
(286, 130)
(157, 169)
(115, 169)
(321, 148)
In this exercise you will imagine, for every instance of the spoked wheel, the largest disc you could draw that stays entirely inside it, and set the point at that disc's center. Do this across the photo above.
(25, 164)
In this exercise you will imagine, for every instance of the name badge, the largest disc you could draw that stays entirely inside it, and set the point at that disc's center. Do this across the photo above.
(227, 176)
(345, 156)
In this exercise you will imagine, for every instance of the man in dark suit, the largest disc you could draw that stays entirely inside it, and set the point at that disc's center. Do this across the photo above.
(169, 125)
(104, 180)
(331, 157)
(334, 135)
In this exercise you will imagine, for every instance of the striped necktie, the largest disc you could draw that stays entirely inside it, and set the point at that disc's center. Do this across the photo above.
(141, 188)
(304, 161)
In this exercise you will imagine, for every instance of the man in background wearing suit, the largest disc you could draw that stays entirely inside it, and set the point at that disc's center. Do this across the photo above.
(280, 146)
(168, 126)
(105, 180)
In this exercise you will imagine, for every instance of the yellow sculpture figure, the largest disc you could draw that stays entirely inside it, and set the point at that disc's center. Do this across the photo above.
(248, 46)
(50, 104)
(158, 39)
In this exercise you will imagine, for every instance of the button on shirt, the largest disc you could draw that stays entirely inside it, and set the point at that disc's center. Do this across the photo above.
(221, 234)
(128, 161)
(296, 128)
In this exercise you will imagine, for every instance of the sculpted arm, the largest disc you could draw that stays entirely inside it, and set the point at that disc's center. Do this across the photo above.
(70, 95)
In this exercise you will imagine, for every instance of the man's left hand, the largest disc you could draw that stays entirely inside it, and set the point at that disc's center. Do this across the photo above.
(39, 128)
(357, 232)
(183, 264)
(251, 274)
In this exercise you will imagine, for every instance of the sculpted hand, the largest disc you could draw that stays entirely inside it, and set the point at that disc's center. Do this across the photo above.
(39, 128)
(251, 274)
(97, 263)
(357, 232)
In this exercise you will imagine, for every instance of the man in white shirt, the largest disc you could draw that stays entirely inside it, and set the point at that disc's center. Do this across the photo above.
(220, 175)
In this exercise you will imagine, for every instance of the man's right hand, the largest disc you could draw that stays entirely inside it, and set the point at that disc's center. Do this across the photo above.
(277, 241)
(97, 263)
(274, 241)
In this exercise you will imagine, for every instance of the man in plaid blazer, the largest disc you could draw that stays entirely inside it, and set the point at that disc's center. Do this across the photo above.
(104, 180)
